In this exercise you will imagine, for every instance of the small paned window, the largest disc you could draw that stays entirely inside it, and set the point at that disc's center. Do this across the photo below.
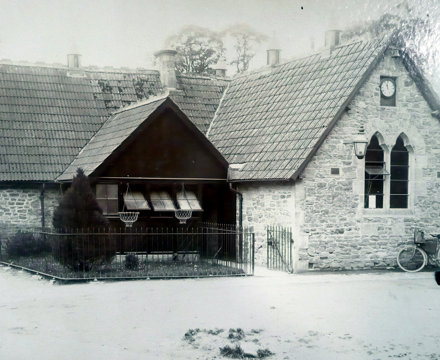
(187, 200)
(374, 175)
(107, 197)
(399, 175)
(162, 201)
(135, 200)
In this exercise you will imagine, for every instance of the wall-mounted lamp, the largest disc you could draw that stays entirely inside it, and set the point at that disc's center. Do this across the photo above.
(360, 143)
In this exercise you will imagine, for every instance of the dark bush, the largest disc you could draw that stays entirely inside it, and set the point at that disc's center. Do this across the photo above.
(26, 244)
(131, 262)
(79, 209)
(77, 219)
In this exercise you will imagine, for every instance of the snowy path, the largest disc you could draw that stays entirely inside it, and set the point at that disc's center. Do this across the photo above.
(311, 316)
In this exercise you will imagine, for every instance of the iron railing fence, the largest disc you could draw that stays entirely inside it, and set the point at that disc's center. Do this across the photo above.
(207, 250)
(279, 248)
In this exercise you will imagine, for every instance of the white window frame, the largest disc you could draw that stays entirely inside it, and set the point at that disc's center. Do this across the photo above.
(103, 201)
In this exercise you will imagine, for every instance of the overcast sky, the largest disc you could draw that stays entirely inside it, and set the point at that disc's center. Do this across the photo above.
(127, 32)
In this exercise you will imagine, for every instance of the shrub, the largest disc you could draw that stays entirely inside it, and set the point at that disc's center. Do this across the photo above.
(26, 244)
(131, 262)
(78, 209)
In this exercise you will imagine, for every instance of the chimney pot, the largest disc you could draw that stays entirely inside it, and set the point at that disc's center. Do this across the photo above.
(220, 72)
(220, 68)
(332, 38)
(166, 62)
(73, 61)
(273, 52)
(273, 57)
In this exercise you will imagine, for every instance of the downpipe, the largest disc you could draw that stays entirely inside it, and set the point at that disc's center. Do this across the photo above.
(240, 222)
(42, 194)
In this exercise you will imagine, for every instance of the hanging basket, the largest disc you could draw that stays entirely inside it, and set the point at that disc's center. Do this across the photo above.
(128, 217)
(182, 215)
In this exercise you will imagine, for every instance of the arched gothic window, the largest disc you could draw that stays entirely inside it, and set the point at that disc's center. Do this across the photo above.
(374, 174)
(399, 175)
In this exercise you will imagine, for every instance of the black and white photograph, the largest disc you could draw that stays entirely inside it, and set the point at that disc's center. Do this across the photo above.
(220, 179)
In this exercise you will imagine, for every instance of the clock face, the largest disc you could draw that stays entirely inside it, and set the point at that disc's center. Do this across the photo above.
(387, 88)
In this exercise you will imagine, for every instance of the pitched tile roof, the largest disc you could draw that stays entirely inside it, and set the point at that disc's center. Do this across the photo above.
(47, 114)
(271, 121)
(198, 97)
(114, 132)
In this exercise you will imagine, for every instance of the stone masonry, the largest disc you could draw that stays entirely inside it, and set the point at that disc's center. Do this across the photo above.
(331, 228)
(266, 204)
(337, 231)
(20, 208)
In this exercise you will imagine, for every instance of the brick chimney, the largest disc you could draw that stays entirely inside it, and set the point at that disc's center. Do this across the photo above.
(166, 62)
(220, 69)
(332, 38)
(273, 53)
(74, 61)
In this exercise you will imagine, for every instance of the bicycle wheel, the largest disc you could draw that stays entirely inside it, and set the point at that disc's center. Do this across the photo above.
(411, 259)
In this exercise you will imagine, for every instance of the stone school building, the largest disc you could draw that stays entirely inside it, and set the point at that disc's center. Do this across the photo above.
(342, 146)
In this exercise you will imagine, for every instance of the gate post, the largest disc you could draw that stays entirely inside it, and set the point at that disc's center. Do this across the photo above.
(267, 247)
(253, 252)
(291, 250)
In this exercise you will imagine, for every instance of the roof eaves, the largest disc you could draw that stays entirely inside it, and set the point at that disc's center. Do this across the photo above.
(260, 180)
(421, 82)
(137, 104)
(341, 110)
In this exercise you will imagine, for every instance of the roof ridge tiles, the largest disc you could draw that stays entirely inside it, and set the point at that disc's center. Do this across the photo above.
(266, 70)
(90, 68)
(137, 104)
(203, 76)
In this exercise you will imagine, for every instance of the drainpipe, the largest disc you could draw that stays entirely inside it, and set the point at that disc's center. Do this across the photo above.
(43, 221)
(240, 220)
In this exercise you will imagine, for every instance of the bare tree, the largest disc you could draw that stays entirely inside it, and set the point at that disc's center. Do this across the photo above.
(245, 42)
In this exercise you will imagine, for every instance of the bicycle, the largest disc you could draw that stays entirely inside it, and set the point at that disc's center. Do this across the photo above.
(413, 258)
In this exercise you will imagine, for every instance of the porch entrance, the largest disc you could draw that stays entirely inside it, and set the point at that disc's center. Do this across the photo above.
(279, 248)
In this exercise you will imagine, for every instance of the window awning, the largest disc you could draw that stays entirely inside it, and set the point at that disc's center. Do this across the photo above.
(188, 201)
(162, 201)
(376, 170)
(135, 201)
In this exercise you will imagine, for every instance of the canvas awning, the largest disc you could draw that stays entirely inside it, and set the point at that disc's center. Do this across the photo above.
(187, 200)
(162, 201)
(376, 170)
(135, 201)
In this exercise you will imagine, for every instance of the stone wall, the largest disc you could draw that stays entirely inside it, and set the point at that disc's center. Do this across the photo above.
(337, 231)
(331, 228)
(20, 208)
(263, 205)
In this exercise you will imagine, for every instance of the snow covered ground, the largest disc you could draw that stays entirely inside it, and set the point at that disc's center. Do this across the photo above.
(379, 315)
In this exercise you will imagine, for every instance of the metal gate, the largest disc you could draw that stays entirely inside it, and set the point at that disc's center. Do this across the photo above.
(279, 248)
